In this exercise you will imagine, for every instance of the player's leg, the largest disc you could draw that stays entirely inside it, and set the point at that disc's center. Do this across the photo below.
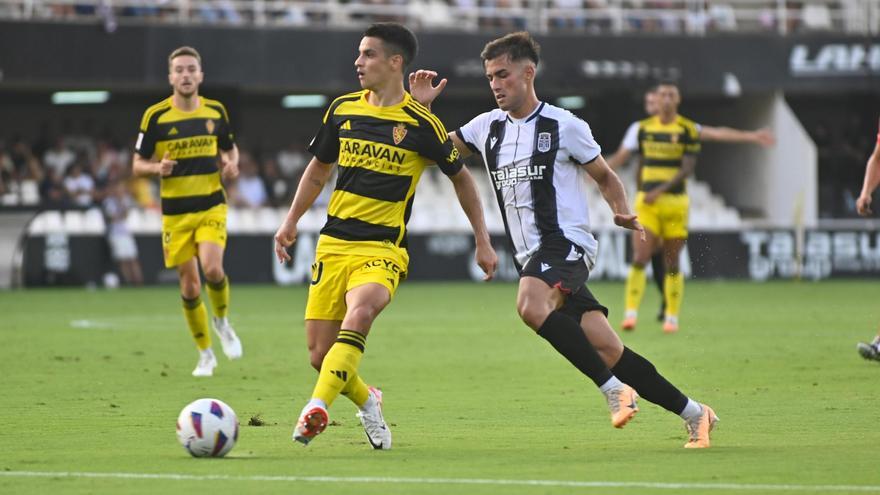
(368, 285)
(674, 283)
(196, 316)
(211, 239)
(320, 337)
(636, 371)
(635, 280)
(658, 269)
(538, 300)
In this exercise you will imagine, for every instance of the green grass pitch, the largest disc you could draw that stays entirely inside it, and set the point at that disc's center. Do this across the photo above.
(92, 382)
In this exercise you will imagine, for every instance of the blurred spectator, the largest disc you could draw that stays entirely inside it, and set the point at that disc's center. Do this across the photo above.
(80, 185)
(25, 164)
(571, 19)
(59, 157)
(248, 190)
(219, 11)
(123, 248)
(280, 189)
(52, 191)
(292, 161)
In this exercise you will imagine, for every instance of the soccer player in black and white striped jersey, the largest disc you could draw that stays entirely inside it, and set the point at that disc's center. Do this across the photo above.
(538, 156)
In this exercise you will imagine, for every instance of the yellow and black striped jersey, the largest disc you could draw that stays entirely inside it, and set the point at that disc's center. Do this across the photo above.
(193, 139)
(662, 147)
(381, 153)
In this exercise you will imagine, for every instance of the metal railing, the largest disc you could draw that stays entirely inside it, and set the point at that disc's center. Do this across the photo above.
(690, 17)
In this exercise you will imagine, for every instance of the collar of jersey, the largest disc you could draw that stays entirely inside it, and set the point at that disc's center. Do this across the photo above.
(406, 99)
(177, 109)
(527, 119)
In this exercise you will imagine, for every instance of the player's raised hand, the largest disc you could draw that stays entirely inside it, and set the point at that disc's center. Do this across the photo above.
(863, 205)
(421, 86)
(166, 165)
(630, 222)
(284, 238)
(487, 260)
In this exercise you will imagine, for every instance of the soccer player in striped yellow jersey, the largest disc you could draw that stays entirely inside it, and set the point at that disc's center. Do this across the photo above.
(182, 138)
(668, 146)
(381, 140)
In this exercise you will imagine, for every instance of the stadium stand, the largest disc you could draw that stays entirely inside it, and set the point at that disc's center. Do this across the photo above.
(694, 17)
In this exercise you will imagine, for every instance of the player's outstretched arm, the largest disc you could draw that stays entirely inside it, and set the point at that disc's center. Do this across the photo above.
(421, 86)
(313, 180)
(763, 137)
(614, 193)
(872, 180)
(469, 199)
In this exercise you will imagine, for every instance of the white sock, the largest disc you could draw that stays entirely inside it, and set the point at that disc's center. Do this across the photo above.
(631, 313)
(207, 352)
(610, 385)
(691, 410)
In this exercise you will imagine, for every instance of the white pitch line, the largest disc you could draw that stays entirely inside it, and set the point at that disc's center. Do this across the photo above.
(449, 481)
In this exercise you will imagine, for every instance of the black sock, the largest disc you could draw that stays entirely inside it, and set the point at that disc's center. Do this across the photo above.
(640, 374)
(566, 336)
(659, 269)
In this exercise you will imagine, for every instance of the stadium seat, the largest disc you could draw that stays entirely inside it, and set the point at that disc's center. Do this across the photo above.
(30, 192)
(73, 222)
(816, 16)
(93, 222)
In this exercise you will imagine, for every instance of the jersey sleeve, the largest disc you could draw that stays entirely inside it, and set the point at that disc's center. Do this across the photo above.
(437, 147)
(631, 138)
(582, 147)
(145, 145)
(691, 139)
(473, 134)
(325, 144)
(225, 136)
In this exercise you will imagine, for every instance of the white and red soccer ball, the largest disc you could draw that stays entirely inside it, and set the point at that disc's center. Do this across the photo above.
(207, 428)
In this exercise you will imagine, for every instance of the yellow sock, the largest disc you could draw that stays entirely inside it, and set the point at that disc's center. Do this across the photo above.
(340, 365)
(673, 290)
(356, 390)
(197, 321)
(635, 288)
(218, 294)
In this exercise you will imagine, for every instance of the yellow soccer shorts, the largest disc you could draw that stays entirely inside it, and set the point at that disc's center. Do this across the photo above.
(666, 218)
(333, 275)
(181, 234)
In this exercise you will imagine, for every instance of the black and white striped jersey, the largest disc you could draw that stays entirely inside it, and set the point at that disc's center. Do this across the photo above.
(534, 165)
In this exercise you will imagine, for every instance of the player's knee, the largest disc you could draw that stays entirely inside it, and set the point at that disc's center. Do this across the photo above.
(532, 314)
(190, 289)
(361, 317)
(214, 273)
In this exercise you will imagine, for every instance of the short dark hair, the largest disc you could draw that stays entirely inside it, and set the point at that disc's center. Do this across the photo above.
(666, 82)
(184, 50)
(518, 46)
(397, 38)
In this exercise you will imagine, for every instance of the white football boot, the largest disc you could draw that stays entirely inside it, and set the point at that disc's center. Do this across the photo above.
(228, 338)
(370, 415)
(206, 365)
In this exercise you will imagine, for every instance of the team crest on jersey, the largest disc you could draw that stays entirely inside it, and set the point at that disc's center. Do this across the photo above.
(674, 138)
(399, 132)
(209, 125)
(544, 142)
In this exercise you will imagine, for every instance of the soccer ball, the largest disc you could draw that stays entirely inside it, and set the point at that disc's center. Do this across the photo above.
(207, 428)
